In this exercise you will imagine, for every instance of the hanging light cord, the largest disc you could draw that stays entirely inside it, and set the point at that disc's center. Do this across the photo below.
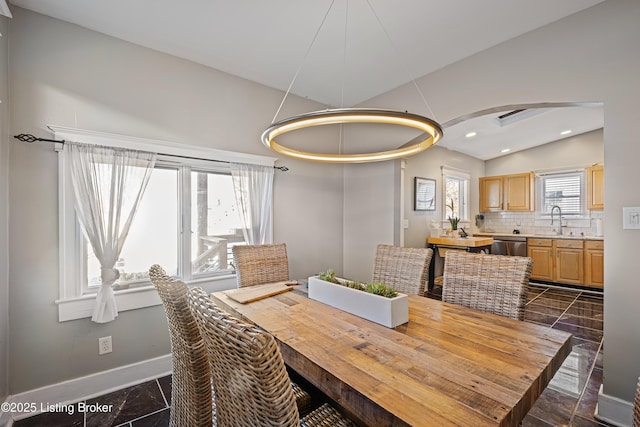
(344, 73)
(306, 55)
(400, 60)
(394, 49)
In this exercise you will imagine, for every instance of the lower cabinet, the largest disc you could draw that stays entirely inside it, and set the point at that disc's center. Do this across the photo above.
(577, 262)
(594, 263)
(541, 251)
(569, 261)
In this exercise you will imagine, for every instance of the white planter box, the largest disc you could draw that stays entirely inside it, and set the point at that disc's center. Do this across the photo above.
(389, 312)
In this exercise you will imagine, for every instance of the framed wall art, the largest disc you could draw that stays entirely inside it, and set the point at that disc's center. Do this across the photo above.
(424, 194)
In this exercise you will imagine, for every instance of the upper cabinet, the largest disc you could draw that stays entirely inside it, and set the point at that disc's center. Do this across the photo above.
(491, 193)
(507, 192)
(595, 188)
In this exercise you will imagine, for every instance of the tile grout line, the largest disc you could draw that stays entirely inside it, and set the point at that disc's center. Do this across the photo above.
(583, 327)
(166, 402)
(584, 389)
(536, 297)
(130, 422)
(566, 309)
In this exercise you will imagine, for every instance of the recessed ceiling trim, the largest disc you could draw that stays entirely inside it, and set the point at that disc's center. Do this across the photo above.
(510, 107)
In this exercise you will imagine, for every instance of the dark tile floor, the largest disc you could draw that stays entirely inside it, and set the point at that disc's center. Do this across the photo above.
(572, 395)
(569, 400)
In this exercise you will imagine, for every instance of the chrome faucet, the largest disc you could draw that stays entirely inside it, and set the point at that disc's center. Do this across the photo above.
(553, 208)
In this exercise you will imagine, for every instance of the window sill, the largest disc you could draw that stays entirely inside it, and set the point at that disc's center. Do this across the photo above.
(131, 299)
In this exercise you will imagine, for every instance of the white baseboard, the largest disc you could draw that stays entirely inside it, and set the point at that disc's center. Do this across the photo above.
(87, 387)
(614, 410)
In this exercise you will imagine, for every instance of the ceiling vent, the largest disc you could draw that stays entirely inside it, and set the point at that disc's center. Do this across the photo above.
(514, 116)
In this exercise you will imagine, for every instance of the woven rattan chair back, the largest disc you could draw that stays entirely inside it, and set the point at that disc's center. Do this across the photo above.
(192, 402)
(491, 283)
(248, 373)
(258, 264)
(636, 406)
(405, 269)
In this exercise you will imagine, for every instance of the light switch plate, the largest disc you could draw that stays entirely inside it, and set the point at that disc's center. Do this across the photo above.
(631, 218)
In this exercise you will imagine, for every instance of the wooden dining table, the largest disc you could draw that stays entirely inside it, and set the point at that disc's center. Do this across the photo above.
(448, 365)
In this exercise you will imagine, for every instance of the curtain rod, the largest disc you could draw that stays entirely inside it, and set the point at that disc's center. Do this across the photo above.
(25, 137)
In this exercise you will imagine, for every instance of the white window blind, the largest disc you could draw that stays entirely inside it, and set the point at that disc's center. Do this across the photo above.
(565, 190)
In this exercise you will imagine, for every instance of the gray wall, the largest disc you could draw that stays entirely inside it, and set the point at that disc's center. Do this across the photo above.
(369, 215)
(589, 56)
(427, 165)
(64, 75)
(4, 206)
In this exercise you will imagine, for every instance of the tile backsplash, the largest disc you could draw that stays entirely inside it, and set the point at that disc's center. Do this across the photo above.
(527, 223)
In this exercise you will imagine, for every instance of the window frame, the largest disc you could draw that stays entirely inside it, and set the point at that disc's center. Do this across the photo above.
(540, 196)
(73, 301)
(466, 206)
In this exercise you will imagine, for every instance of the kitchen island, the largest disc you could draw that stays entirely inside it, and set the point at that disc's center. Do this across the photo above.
(441, 245)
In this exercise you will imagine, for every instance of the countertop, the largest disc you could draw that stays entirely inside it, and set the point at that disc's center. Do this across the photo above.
(467, 242)
(539, 236)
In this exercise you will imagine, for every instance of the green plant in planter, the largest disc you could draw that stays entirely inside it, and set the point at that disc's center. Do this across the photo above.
(380, 289)
(372, 288)
(453, 220)
(353, 285)
(329, 276)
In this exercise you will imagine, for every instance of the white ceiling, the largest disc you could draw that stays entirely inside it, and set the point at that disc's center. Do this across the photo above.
(535, 126)
(268, 41)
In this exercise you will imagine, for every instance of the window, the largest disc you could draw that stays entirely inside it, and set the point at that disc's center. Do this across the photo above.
(154, 237)
(456, 188)
(565, 190)
(216, 225)
(187, 222)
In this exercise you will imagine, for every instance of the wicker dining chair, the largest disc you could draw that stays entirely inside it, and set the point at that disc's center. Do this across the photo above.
(248, 373)
(491, 283)
(404, 269)
(636, 406)
(192, 400)
(258, 264)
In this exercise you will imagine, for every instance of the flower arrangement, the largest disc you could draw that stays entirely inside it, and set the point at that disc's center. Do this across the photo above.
(453, 220)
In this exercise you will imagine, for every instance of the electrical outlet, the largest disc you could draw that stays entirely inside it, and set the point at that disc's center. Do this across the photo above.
(104, 345)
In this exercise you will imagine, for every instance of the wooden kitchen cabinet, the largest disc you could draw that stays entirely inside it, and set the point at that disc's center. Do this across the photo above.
(595, 188)
(491, 193)
(518, 192)
(569, 261)
(541, 251)
(594, 263)
(507, 192)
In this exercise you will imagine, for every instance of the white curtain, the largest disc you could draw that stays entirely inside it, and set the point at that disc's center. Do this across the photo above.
(253, 187)
(108, 184)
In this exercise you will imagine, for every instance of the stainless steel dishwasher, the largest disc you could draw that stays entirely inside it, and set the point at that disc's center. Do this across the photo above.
(509, 245)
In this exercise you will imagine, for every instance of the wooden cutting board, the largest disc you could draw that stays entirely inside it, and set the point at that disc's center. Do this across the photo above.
(258, 292)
